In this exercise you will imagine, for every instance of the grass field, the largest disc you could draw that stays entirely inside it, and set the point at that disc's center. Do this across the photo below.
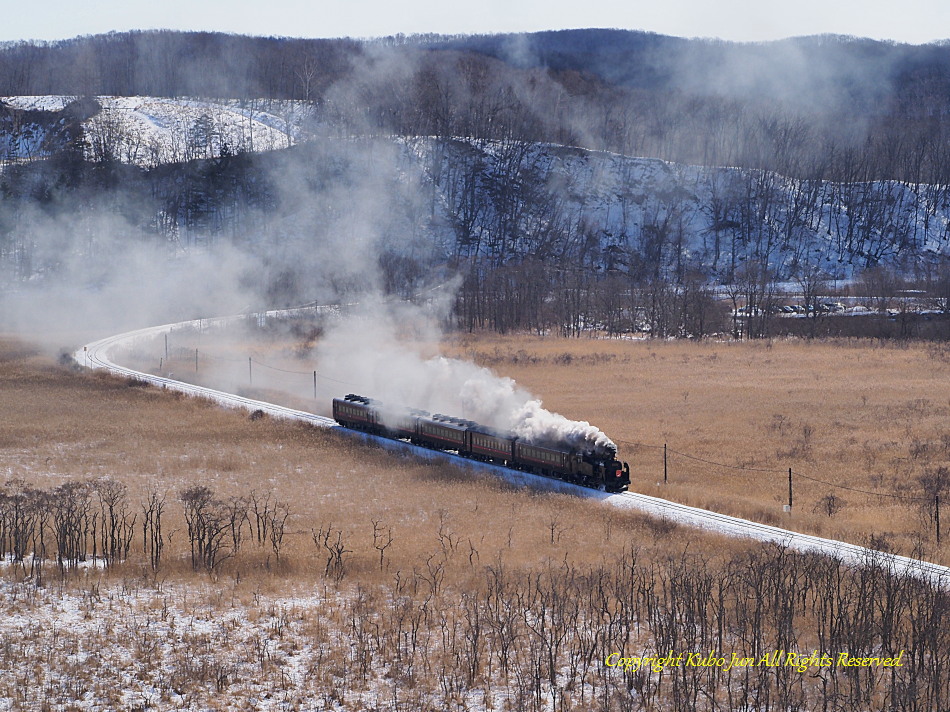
(58, 425)
(488, 596)
(854, 414)
(848, 417)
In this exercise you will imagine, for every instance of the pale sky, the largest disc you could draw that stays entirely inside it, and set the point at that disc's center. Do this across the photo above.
(912, 21)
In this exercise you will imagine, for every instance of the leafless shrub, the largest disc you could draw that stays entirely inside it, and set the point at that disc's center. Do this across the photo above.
(262, 507)
(209, 522)
(73, 522)
(116, 522)
(829, 505)
(278, 525)
(382, 540)
(237, 512)
(660, 527)
(153, 541)
(19, 508)
(331, 541)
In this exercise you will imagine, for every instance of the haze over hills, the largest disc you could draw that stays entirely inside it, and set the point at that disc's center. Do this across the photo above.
(801, 106)
(508, 161)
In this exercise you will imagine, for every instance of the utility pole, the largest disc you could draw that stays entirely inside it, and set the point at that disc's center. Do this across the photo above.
(789, 489)
(664, 464)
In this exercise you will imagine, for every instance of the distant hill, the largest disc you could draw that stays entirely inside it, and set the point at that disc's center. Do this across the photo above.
(169, 63)
(853, 68)
(540, 167)
(145, 131)
(693, 100)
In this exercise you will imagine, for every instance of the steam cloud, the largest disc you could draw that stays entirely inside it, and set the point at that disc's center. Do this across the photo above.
(344, 208)
(376, 353)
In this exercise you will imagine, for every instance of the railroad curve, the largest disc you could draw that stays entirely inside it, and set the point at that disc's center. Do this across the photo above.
(100, 354)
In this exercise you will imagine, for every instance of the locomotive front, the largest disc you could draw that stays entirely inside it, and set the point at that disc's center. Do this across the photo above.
(608, 471)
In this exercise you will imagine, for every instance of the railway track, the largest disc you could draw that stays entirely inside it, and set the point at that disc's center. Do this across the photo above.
(101, 354)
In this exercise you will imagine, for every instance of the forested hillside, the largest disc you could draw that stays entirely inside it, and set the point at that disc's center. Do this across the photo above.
(560, 179)
(828, 105)
(540, 235)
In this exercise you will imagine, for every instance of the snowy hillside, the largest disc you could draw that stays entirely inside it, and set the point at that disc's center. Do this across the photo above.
(492, 201)
(149, 131)
(648, 216)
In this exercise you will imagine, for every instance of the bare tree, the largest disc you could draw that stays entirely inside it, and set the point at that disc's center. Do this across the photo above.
(813, 283)
(381, 540)
(152, 538)
(278, 525)
(209, 523)
(331, 541)
(116, 522)
(72, 521)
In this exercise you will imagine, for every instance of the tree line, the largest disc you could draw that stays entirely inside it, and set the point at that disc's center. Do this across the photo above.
(839, 108)
(94, 522)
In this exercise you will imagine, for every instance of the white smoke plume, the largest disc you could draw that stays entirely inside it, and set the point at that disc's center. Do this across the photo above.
(380, 352)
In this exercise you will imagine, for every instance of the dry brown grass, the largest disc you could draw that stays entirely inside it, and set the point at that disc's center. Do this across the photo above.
(856, 414)
(474, 563)
(60, 425)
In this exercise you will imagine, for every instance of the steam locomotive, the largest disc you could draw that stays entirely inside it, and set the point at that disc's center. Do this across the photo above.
(469, 439)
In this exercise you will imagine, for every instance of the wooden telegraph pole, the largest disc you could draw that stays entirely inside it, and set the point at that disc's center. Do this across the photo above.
(789, 489)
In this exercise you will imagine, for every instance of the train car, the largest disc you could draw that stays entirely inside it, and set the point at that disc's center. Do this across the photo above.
(443, 433)
(356, 412)
(469, 439)
(543, 460)
(402, 425)
(491, 447)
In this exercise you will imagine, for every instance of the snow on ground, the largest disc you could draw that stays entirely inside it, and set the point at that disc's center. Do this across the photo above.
(153, 646)
(37, 103)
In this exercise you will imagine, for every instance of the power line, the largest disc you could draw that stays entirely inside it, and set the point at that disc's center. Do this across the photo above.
(722, 464)
(256, 362)
(797, 472)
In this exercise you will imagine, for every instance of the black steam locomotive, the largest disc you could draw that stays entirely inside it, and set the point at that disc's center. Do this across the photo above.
(469, 439)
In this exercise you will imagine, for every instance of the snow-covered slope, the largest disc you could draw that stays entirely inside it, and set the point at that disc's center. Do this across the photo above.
(648, 216)
(149, 131)
(502, 201)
